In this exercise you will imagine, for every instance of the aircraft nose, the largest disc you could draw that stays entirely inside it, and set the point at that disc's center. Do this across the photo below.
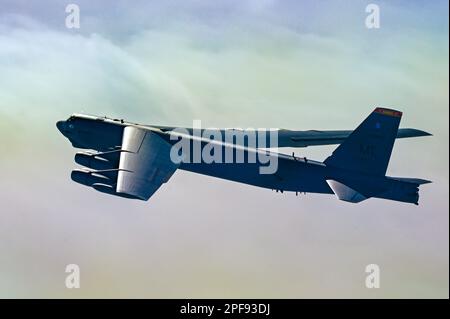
(61, 125)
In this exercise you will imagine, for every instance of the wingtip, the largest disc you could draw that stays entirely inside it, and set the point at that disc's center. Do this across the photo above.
(422, 133)
(412, 132)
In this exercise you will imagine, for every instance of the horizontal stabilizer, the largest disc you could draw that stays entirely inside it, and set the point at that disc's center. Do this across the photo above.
(417, 181)
(345, 193)
(403, 189)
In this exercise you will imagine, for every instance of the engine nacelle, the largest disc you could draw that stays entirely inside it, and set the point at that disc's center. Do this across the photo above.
(93, 161)
(89, 178)
(108, 189)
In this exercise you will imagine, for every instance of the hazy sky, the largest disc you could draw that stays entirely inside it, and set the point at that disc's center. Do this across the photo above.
(289, 64)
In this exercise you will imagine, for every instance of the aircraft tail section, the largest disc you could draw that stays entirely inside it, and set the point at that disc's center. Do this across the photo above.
(368, 148)
(345, 192)
(356, 189)
(403, 189)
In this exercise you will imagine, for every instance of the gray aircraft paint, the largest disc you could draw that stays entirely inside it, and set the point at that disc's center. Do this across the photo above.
(139, 159)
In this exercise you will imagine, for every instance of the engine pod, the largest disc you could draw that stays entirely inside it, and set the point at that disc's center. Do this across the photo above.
(93, 161)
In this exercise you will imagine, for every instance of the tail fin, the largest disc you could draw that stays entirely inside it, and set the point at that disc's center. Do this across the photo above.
(369, 147)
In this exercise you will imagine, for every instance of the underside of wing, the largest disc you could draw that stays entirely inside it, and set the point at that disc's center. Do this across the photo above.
(136, 170)
(145, 163)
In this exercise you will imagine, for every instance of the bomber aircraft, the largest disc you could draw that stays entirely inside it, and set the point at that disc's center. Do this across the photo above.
(131, 160)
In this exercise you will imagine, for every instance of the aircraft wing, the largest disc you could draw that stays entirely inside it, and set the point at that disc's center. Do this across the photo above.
(143, 166)
(292, 138)
(144, 163)
(288, 138)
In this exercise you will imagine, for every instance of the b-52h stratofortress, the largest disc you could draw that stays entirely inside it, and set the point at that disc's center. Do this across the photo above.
(132, 160)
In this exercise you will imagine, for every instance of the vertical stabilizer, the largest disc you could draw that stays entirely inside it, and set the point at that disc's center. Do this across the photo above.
(368, 149)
